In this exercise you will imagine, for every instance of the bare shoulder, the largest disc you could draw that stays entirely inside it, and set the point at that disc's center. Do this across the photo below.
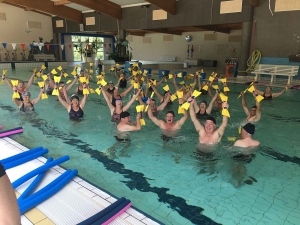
(239, 143)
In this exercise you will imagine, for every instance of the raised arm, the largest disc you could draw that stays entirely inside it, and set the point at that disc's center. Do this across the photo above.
(162, 79)
(63, 102)
(126, 91)
(196, 122)
(162, 106)
(258, 111)
(244, 104)
(83, 101)
(127, 106)
(199, 84)
(72, 83)
(108, 101)
(210, 106)
(29, 82)
(7, 81)
(182, 120)
(115, 73)
(159, 96)
(156, 121)
(175, 84)
(258, 91)
(34, 101)
(223, 126)
(274, 95)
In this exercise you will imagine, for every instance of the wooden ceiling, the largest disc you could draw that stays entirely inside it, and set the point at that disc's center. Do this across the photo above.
(222, 28)
(60, 8)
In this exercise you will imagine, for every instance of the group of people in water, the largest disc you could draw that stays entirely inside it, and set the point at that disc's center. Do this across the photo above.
(208, 132)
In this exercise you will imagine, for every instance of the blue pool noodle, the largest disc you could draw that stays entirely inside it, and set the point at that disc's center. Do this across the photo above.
(39, 170)
(34, 184)
(44, 189)
(111, 213)
(103, 212)
(25, 159)
(20, 155)
(44, 196)
(17, 128)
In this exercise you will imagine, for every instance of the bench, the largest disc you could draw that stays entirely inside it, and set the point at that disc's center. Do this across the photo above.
(276, 70)
(44, 57)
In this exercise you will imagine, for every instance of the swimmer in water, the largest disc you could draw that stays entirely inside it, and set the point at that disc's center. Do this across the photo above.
(169, 127)
(21, 88)
(254, 114)
(268, 95)
(73, 105)
(26, 105)
(118, 108)
(247, 140)
(208, 134)
(152, 104)
(202, 111)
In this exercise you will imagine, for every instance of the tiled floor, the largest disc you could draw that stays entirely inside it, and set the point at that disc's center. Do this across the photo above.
(78, 200)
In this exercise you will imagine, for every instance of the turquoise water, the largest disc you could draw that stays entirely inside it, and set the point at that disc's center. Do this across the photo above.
(168, 180)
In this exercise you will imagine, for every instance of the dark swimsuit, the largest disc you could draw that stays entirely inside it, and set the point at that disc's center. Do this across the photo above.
(110, 91)
(267, 98)
(79, 92)
(243, 158)
(166, 138)
(115, 117)
(2, 171)
(121, 139)
(75, 115)
(123, 83)
(49, 90)
(27, 108)
(201, 116)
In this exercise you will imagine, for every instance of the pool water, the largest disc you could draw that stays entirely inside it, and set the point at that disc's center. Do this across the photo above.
(172, 181)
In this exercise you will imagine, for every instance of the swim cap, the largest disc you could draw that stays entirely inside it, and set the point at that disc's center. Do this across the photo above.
(26, 93)
(81, 71)
(249, 128)
(124, 114)
(74, 96)
(203, 101)
(211, 119)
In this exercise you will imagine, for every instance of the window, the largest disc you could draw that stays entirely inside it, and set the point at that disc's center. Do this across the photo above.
(87, 46)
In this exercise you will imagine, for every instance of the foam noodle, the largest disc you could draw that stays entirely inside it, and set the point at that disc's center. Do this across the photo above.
(11, 133)
(38, 170)
(20, 155)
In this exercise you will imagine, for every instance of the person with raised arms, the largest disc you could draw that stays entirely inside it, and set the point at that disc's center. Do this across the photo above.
(170, 127)
(202, 111)
(26, 105)
(254, 114)
(118, 108)
(73, 105)
(208, 134)
(21, 87)
(268, 95)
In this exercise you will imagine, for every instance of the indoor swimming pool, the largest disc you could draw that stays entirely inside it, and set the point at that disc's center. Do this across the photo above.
(173, 181)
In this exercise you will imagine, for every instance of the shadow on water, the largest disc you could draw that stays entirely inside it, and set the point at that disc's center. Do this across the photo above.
(134, 180)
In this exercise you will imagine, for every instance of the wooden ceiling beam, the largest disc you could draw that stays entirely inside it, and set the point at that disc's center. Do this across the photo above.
(215, 28)
(164, 31)
(61, 2)
(167, 5)
(28, 9)
(103, 6)
(254, 3)
(47, 7)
